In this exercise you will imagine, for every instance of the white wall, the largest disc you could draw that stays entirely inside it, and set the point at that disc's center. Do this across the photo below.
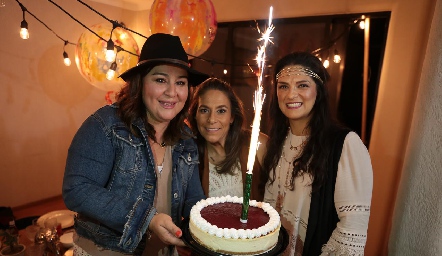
(43, 102)
(417, 223)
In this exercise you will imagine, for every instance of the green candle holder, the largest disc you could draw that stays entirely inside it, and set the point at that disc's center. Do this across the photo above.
(246, 198)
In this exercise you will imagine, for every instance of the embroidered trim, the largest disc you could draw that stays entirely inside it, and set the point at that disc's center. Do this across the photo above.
(354, 208)
(345, 243)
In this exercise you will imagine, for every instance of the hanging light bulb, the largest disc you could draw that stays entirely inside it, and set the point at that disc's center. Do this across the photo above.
(110, 48)
(110, 52)
(111, 72)
(326, 63)
(66, 59)
(225, 71)
(336, 57)
(362, 22)
(24, 33)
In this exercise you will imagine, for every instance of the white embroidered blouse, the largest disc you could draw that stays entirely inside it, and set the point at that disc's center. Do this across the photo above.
(353, 191)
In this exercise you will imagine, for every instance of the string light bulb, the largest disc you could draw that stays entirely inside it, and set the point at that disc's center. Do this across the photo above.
(110, 52)
(336, 57)
(111, 72)
(362, 22)
(326, 63)
(24, 33)
(110, 48)
(66, 59)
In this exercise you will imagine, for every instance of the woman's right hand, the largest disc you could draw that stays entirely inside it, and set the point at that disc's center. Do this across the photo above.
(164, 228)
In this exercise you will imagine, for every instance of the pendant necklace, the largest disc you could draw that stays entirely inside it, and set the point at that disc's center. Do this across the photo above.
(158, 168)
(283, 188)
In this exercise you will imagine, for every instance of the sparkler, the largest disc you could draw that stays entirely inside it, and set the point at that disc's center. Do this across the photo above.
(257, 105)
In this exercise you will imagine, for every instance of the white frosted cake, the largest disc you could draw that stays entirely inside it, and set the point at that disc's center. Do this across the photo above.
(215, 224)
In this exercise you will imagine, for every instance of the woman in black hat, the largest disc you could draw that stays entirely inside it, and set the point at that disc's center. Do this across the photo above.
(132, 168)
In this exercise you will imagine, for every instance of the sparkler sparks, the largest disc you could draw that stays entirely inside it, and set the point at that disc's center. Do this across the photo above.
(259, 96)
(257, 105)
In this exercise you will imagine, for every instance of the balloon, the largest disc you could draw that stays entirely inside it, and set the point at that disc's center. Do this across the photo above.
(90, 55)
(194, 21)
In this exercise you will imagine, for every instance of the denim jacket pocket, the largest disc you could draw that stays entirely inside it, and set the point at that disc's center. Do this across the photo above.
(128, 151)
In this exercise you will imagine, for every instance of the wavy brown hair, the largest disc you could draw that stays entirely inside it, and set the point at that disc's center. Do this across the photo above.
(237, 134)
(314, 158)
(131, 107)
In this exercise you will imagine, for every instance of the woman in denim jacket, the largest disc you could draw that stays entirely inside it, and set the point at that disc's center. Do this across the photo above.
(132, 168)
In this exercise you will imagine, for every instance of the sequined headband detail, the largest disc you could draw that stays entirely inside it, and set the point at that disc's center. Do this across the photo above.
(295, 71)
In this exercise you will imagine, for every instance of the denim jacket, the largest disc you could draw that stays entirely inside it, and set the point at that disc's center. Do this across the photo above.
(110, 181)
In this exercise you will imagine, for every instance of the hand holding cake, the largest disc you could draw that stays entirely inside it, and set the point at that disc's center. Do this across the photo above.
(164, 228)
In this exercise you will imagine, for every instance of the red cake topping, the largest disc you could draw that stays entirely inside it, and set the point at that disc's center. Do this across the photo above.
(227, 215)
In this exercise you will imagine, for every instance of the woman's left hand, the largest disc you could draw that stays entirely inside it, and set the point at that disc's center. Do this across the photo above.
(164, 228)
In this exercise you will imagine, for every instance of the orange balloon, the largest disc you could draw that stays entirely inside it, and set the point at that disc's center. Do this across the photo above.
(90, 55)
(194, 21)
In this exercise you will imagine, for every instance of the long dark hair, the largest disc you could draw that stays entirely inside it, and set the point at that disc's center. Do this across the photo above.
(132, 107)
(237, 132)
(314, 157)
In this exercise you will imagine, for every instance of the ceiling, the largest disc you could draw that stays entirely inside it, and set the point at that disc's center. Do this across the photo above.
(133, 5)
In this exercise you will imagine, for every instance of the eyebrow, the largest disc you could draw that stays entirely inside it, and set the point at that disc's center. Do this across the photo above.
(165, 74)
(297, 82)
(217, 107)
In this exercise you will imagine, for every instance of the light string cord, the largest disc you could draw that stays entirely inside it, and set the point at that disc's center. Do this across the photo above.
(90, 30)
(24, 9)
(115, 23)
(332, 42)
(119, 48)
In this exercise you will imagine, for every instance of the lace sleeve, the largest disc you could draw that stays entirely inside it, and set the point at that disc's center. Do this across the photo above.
(354, 183)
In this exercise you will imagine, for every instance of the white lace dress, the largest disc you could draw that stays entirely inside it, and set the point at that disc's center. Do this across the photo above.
(353, 191)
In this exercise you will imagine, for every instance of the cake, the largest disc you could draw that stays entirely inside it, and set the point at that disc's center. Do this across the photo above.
(215, 224)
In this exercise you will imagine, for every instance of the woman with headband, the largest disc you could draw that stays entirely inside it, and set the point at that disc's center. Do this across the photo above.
(319, 174)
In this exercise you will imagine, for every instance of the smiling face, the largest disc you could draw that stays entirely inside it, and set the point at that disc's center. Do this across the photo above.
(214, 116)
(296, 92)
(165, 91)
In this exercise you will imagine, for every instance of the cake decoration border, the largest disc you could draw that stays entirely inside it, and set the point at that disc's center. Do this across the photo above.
(204, 225)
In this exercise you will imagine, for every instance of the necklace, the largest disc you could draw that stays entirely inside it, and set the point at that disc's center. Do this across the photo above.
(158, 168)
(282, 188)
(162, 144)
(296, 148)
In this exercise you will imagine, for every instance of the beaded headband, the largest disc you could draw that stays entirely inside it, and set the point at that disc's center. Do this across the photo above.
(295, 71)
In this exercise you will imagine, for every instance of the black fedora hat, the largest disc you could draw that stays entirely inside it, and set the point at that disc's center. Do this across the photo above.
(164, 49)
